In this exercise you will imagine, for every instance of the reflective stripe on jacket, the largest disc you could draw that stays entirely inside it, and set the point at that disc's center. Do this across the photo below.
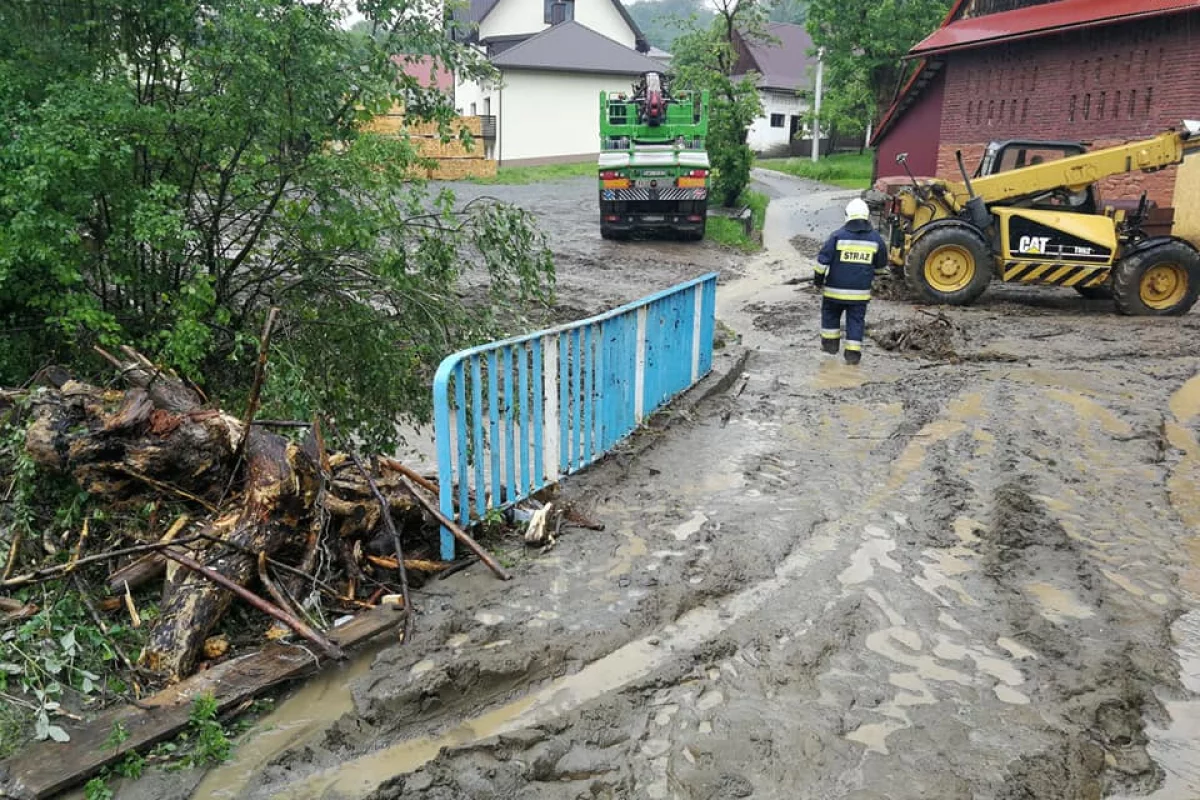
(850, 260)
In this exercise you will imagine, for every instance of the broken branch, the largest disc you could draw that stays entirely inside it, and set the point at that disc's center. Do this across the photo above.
(457, 532)
(49, 572)
(411, 474)
(390, 525)
(301, 629)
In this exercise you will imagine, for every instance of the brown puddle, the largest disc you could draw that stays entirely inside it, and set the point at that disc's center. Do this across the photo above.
(322, 699)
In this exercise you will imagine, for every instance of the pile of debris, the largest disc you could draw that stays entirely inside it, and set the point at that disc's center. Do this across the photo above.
(935, 338)
(305, 525)
(194, 512)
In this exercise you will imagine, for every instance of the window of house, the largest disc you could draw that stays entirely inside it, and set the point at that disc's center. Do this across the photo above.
(568, 10)
(473, 111)
(487, 106)
(777, 120)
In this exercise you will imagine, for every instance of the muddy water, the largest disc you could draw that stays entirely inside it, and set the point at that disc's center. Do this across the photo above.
(631, 662)
(1176, 748)
(322, 699)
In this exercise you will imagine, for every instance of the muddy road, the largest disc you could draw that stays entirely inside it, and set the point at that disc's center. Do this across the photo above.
(964, 569)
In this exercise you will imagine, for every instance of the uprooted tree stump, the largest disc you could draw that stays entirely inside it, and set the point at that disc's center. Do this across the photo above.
(257, 494)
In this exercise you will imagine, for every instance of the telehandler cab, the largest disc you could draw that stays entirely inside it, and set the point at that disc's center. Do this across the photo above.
(1032, 214)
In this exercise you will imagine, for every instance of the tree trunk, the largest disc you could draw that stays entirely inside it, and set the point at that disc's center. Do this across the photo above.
(278, 506)
(157, 441)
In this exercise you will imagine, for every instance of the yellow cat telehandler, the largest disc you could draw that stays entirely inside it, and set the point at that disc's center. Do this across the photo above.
(1032, 214)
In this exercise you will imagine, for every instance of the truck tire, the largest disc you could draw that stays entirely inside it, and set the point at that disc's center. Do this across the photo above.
(1161, 281)
(607, 232)
(949, 266)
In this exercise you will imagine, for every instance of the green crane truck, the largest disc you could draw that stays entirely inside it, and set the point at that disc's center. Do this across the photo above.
(654, 170)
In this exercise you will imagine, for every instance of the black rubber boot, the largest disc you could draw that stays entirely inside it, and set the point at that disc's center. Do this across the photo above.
(853, 356)
(830, 346)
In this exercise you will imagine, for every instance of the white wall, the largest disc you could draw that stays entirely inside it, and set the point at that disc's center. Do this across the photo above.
(762, 137)
(512, 17)
(477, 99)
(553, 114)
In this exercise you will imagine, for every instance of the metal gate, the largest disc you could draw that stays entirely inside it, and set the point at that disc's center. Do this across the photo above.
(512, 417)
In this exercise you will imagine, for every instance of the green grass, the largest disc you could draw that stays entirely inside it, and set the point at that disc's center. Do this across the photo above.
(848, 170)
(729, 232)
(520, 176)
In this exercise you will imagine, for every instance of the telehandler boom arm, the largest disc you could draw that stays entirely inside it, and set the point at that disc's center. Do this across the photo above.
(1076, 173)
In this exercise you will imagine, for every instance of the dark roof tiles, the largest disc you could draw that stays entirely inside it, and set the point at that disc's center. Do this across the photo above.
(571, 47)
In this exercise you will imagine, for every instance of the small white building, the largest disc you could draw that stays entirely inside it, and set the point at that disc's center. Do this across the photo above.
(786, 76)
(554, 60)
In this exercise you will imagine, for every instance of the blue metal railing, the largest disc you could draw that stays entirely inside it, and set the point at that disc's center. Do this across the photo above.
(512, 417)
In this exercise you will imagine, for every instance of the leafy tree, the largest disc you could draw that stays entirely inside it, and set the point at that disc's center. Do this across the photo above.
(170, 169)
(706, 57)
(794, 11)
(662, 21)
(864, 42)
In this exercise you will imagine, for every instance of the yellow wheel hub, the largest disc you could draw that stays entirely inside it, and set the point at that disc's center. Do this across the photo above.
(1163, 286)
(949, 268)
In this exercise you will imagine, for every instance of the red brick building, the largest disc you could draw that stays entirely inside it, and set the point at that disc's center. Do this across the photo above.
(1097, 71)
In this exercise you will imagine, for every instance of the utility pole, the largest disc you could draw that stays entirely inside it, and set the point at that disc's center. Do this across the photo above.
(816, 128)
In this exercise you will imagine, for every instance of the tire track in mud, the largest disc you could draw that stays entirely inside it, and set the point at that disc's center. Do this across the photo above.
(1027, 659)
(908, 580)
(746, 602)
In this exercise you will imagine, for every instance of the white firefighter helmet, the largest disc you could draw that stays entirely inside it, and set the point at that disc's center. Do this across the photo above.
(857, 209)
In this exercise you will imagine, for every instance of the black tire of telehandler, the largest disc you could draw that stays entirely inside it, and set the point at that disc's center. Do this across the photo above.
(956, 235)
(1128, 274)
(1102, 292)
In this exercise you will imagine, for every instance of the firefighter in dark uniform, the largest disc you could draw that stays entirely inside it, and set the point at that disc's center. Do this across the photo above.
(846, 267)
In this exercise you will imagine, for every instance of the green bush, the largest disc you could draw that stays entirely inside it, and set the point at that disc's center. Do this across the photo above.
(165, 185)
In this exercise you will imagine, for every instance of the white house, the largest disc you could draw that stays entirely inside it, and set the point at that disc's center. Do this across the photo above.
(786, 77)
(554, 60)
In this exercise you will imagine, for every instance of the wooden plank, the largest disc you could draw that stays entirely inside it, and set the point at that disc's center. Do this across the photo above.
(43, 769)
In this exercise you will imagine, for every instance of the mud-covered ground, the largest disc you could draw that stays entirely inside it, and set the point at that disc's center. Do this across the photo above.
(963, 569)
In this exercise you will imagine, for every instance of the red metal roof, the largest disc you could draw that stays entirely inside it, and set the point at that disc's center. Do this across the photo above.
(428, 71)
(904, 96)
(1043, 20)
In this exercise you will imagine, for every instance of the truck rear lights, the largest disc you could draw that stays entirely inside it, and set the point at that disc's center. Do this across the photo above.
(612, 218)
(695, 218)
(608, 175)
